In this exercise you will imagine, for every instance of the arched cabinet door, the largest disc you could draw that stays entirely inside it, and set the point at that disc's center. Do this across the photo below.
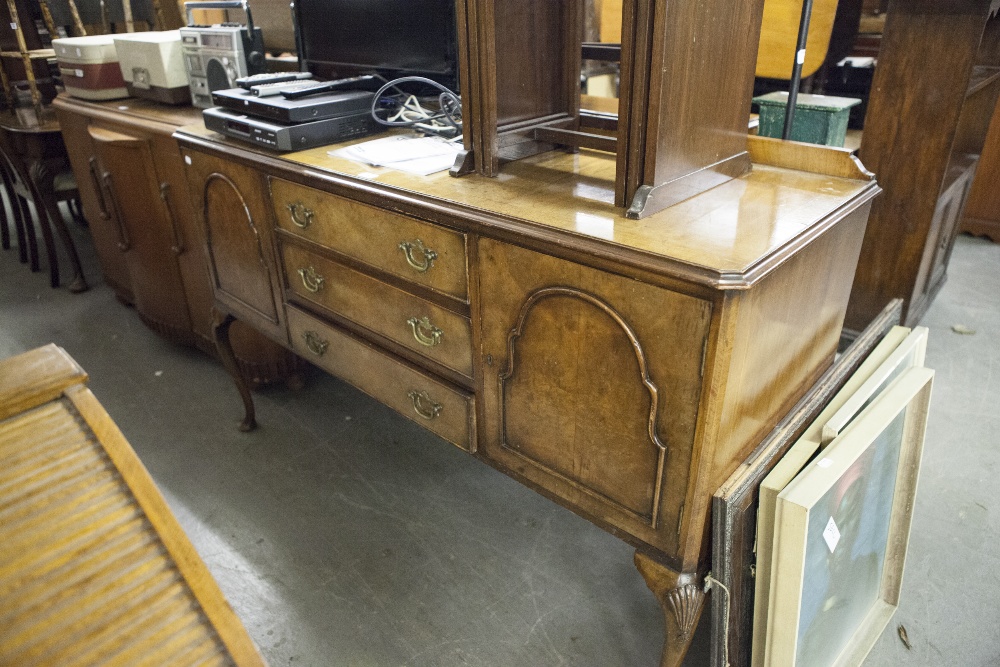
(591, 387)
(231, 202)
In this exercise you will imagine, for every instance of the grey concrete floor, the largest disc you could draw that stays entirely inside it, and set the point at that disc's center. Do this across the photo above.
(344, 534)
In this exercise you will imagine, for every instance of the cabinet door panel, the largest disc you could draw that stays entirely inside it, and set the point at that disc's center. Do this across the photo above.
(234, 212)
(132, 195)
(84, 163)
(591, 387)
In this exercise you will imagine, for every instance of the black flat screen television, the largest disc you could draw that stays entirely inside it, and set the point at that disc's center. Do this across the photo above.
(342, 38)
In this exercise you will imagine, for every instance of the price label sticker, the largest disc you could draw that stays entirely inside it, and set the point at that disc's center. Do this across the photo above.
(831, 534)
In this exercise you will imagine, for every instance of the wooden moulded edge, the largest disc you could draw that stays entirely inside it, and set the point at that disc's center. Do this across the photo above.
(813, 158)
(36, 377)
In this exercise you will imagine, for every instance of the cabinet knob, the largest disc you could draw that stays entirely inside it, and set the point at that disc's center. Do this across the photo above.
(424, 332)
(311, 280)
(424, 405)
(316, 344)
(302, 217)
(413, 249)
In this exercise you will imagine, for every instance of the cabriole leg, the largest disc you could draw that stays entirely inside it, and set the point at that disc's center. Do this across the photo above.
(681, 599)
(220, 330)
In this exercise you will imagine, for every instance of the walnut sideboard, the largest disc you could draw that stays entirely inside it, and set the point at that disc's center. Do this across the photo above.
(623, 368)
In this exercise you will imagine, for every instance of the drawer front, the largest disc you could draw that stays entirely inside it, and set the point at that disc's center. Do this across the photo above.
(417, 251)
(446, 411)
(425, 328)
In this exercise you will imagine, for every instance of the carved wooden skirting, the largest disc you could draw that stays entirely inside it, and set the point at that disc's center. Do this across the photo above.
(216, 176)
(651, 517)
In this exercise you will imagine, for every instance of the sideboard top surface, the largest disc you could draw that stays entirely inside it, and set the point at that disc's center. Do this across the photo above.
(728, 237)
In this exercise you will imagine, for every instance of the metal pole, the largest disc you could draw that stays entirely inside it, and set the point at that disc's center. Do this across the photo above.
(800, 57)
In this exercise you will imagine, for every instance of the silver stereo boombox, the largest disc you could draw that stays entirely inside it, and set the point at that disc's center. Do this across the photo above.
(215, 56)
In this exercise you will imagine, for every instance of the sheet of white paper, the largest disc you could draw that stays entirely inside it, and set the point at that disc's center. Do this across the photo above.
(415, 155)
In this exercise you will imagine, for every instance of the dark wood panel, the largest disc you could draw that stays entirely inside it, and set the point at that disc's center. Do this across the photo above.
(982, 212)
(913, 118)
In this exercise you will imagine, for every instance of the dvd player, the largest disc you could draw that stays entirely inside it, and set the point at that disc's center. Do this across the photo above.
(290, 136)
(314, 107)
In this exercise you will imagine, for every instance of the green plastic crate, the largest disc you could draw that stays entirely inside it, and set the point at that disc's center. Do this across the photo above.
(819, 119)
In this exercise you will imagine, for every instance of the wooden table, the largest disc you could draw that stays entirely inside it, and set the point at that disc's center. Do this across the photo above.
(623, 368)
(37, 155)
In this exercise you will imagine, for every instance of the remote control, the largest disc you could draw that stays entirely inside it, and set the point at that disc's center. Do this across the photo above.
(324, 86)
(269, 89)
(247, 82)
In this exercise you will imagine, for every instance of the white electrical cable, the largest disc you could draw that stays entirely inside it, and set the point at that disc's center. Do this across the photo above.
(445, 122)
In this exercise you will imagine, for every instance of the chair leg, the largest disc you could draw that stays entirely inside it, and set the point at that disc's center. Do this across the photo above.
(22, 247)
(45, 221)
(4, 227)
(29, 232)
(77, 283)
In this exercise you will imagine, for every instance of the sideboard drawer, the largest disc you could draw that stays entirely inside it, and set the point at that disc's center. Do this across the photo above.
(441, 408)
(420, 252)
(425, 328)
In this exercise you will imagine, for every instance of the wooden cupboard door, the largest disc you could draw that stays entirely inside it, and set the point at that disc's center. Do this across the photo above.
(145, 230)
(231, 203)
(95, 209)
(188, 243)
(591, 387)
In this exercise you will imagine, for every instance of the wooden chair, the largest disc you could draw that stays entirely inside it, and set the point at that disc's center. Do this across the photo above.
(24, 226)
(94, 568)
(7, 183)
(38, 171)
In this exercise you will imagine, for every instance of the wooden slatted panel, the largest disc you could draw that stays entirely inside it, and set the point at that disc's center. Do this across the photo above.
(84, 577)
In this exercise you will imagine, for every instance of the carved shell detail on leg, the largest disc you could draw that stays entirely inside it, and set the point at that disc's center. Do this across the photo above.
(685, 601)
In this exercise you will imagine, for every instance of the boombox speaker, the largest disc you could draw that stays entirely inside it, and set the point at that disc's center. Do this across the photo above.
(216, 55)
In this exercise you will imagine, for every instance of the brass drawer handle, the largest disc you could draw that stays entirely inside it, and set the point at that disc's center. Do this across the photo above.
(311, 280)
(426, 333)
(315, 344)
(423, 405)
(302, 217)
(428, 256)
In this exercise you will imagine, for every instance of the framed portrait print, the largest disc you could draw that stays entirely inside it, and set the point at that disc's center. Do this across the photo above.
(791, 464)
(841, 532)
(734, 504)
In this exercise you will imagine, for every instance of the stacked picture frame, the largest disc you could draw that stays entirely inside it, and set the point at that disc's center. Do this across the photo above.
(841, 532)
(813, 571)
